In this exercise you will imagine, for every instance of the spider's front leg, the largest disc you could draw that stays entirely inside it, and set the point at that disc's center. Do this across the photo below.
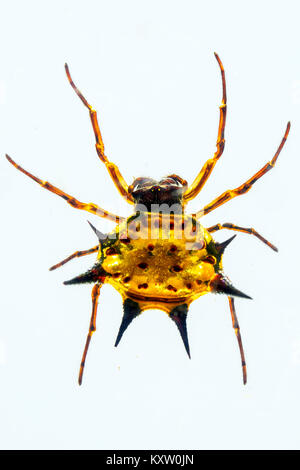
(113, 170)
(89, 207)
(236, 228)
(208, 167)
(245, 187)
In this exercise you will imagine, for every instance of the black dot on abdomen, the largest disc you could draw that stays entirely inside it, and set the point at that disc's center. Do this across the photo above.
(143, 286)
(177, 268)
(143, 265)
(172, 288)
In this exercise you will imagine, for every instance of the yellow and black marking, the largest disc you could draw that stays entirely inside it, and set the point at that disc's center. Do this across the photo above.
(159, 258)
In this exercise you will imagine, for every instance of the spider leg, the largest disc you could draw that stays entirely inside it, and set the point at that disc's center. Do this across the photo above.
(245, 187)
(236, 327)
(113, 170)
(95, 298)
(77, 254)
(90, 207)
(250, 231)
(208, 167)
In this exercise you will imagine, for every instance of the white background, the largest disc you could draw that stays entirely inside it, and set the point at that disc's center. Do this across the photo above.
(148, 68)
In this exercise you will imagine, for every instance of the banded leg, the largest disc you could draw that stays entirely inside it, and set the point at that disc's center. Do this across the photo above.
(92, 329)
(113, 170)
(90, 207)
(77, 254)
(245, 187)
(236, 228)
(208, 167)
(236, 327)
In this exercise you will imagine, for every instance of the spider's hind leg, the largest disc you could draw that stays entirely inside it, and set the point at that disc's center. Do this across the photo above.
(77, 254)
(250, 231)
(97, 276)
(236, 326)
(92, 328)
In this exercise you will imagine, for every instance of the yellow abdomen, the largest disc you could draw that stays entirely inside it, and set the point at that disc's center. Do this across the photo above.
(159, 260)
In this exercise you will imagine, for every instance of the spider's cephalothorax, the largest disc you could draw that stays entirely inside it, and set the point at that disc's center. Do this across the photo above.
(167, 192)
(160, 257)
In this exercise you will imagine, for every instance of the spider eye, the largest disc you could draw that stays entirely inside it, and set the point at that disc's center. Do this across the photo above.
(171, 181)
(176, 180)
(141, 183)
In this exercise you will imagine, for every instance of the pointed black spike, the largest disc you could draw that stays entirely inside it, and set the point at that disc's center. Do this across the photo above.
(178, 315)
(221, 246)
(221, 285)
(131, 310)
(93, 275)
(101, 236)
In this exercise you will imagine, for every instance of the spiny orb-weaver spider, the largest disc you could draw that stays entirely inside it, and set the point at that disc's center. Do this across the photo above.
(160, 257)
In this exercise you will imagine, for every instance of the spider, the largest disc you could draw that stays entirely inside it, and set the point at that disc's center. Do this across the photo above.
(160, 257)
